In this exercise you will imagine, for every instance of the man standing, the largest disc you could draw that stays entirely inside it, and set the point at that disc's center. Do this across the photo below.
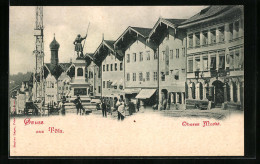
(104, 108)
(78, 45)
(77, 102)
(121, 108)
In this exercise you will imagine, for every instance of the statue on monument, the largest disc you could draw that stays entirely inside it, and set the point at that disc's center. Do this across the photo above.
(78, 45)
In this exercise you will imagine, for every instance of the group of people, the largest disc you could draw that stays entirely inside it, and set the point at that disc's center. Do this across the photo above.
(120, 107)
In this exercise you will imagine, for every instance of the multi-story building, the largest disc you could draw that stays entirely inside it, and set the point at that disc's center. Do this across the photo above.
(94, 76)
(111, 64)
(141, 65)
(171, 43)
(215, 57)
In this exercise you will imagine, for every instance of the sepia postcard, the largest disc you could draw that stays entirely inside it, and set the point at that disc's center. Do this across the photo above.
(116, 81)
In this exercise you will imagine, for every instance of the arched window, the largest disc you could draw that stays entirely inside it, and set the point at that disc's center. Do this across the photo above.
(201, 91)
(79, 72)
(234, 92)
(193, 91)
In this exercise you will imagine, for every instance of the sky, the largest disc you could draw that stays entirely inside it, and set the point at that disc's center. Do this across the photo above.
(67, 22)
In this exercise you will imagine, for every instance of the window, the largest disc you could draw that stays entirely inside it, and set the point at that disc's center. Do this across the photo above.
(99, 89)
(176, 76)
(148, 55)
(221, 62)
(171, 54)
(205, 63)
(121, 66)
(197, 63)
(104, 84)
(163, 76)
(177, 53)
(127, 77)
(231, 60)
(221, 34)
(134, 76)
(155, 76)
(236, 29)
(190, 37)
(108, 84)
(163, 55)
(99, 72)
(197, 39)
(141, 56)
(134, 57)
(147, 76)
(190, 65)
(155, 55)
(213, 63)
(111, 66)
(128, 58)
(236, 59)
(231, 30)
(107, 67)
(183, 51)
(115, 66)
(140, 76)
(79, 72)
(213, 36)
(205, 38)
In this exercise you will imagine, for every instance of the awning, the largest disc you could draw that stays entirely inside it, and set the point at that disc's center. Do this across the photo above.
(132, 90)
(145, 93)
(114, 83)
(120, 82)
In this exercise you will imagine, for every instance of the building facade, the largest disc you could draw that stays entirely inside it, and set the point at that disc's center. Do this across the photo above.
(94, 77)
(215, 57)
(171, 43)
(141, 64)
(112, 76)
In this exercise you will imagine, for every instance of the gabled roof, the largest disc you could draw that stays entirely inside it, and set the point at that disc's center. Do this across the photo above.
(110, 43)
(56, 70)
(103, 50)
(144, 32)
(210, 13)
(65, 66)
(174, 23)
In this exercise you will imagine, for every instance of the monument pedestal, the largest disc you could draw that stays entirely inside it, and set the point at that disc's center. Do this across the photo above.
(79, 84)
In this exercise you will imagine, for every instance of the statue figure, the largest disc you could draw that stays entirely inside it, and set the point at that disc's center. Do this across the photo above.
(78, 45)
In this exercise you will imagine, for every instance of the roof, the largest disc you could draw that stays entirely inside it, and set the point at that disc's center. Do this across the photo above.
(110, 43)
(101, 52)
(144, 31)
(54, 44)
(208, 12)
(175, 21)
(65, 66)
(56, 70)
(169, 22)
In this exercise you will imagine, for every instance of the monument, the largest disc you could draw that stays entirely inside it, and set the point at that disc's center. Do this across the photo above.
(79, 84)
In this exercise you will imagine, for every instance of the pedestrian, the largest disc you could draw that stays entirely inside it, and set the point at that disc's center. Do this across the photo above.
(121, 108)
(77, 102)
(131, 107)
(63, 112)
(103, 107)
(138, 105)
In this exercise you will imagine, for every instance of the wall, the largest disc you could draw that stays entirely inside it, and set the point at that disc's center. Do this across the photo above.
(140, 66)
(112, 76)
